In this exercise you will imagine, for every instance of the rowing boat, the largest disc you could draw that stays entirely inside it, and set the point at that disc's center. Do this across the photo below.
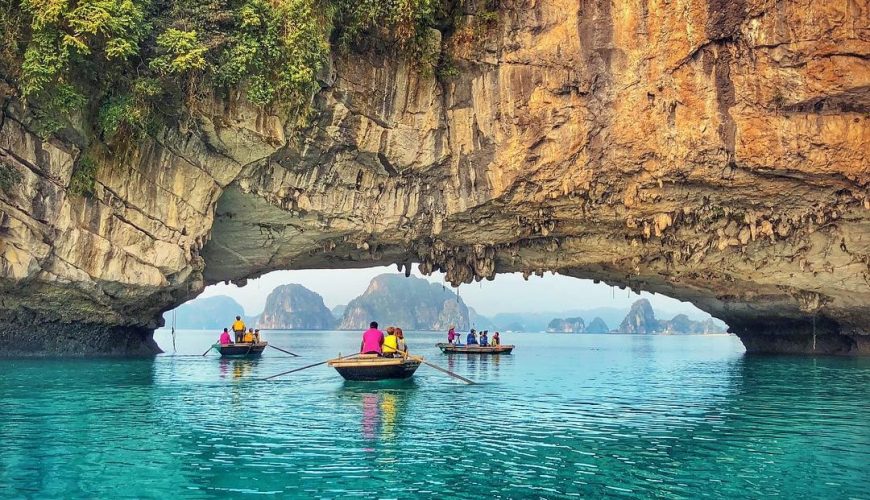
(371, 367)
(242, 349)
(475, 349)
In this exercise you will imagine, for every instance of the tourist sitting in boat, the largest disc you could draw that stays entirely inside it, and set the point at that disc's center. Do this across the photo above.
(496, 341)
(472, 338)
(249, 337)
(372, 340)
(239, 328)
(451, 335)
(400, 335)
(391, 343)
(484, 341)
(225, 337)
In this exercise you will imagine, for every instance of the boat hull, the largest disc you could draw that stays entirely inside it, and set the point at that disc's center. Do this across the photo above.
(370, 369)
(242, 350)
(465, 349)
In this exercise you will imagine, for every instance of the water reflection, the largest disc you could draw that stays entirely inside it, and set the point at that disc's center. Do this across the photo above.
(237, 369)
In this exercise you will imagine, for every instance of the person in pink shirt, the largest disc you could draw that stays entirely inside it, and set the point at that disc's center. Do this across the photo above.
(225, 337)
(372, 340)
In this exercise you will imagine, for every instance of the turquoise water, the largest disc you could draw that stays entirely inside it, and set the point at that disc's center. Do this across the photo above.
(565, 416)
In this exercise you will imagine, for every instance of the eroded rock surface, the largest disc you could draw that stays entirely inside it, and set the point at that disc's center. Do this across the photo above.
(713, 151)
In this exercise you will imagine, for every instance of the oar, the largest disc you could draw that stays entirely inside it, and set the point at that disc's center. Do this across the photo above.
(282, 350)
(308, 366)
(209, 349)
(448, 372)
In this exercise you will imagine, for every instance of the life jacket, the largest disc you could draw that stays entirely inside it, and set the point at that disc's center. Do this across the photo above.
(238, 326)
(249, 337)
(391, 344)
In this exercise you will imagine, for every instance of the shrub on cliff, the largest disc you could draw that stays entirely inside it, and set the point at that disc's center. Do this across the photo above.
(128, 60)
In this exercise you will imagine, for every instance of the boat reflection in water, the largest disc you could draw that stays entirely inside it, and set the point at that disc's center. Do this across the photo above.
(381, 409)
(380, 414)
(236, 368)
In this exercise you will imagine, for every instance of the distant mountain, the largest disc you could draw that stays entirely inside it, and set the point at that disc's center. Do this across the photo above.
(640, 319)
(479, 322)
(597, 326)
(411, 303)
(208, 313)
(294, 307)
(338, 311)
(539, 321)
(681, 324)
(567, 325)
(515, 327)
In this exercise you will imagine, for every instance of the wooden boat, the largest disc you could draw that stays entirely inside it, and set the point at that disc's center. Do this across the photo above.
(242, 349)
(371, 367)
(474, 349)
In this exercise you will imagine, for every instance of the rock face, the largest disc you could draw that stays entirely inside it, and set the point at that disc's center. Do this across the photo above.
(716, 152)
(597, 325)
(411, 303)
(640, 319)
(294, 307)
(567, 325)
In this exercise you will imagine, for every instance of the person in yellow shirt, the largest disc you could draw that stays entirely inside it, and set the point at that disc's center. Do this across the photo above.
(239, 328)
(249, 337)
(391, 343)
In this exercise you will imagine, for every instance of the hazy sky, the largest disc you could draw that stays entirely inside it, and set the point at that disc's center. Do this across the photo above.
(507, 293)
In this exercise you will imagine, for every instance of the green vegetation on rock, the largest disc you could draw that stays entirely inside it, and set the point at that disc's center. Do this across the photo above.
(128, 60)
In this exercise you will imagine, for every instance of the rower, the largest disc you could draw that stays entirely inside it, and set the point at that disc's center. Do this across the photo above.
(451, 335)
(257, 335)
(239, 328)
(372, 340)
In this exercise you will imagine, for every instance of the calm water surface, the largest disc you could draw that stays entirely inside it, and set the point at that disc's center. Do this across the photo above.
(565, 416)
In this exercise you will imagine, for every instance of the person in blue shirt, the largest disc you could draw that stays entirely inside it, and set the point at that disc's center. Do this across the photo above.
(472, 338)
(483, 340)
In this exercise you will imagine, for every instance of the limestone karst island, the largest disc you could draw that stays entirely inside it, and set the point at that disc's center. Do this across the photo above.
(434, 248)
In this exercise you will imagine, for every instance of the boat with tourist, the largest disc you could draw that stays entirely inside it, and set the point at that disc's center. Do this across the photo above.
(474, 348)
(371, 367)
(241, 349)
